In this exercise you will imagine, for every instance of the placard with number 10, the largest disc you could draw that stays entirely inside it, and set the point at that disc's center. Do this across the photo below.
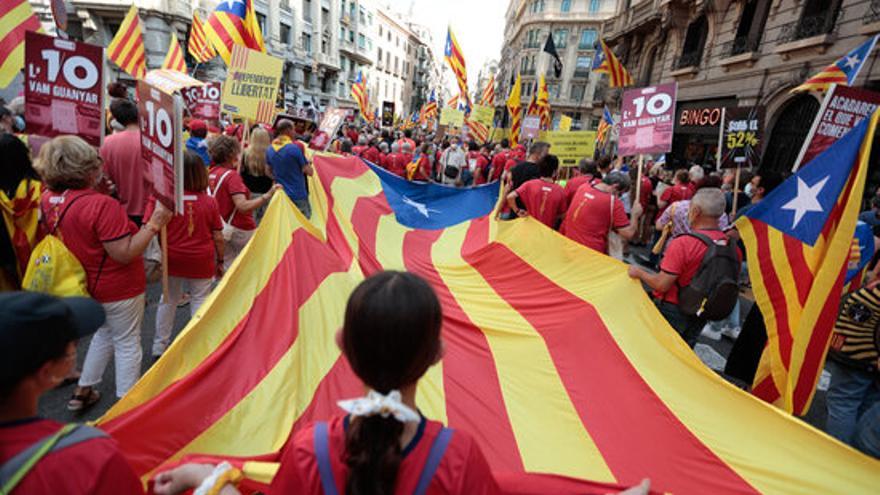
(160, 117)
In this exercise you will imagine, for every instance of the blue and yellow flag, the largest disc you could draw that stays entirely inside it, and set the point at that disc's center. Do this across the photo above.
(606, 62)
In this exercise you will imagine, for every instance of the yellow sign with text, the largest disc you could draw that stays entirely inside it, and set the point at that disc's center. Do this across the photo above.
(570, 146)
(251, 86)
(565, 123)
(452, 118)
(483, 114)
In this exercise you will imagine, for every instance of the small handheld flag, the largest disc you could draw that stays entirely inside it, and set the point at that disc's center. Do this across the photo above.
(174, 57)
(843, 71)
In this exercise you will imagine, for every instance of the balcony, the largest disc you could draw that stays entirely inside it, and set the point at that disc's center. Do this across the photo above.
(686, 64)
(871, 21)
(739, 50)
(528, 72)
(581, 72)
(809, 27)
(637, 17)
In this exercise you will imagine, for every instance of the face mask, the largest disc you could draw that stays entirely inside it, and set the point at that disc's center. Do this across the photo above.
(18, 123)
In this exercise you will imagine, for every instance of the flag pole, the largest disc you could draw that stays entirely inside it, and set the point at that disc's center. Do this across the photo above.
(735, 190)
(638, 180)
(720, 139)
(163, 237)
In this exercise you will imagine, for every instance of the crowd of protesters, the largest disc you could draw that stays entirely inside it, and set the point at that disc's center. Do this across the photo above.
(98, 202)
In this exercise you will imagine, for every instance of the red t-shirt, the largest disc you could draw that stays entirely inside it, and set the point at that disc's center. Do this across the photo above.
(92, 220)
(589, 217)
(645, 192)
(692, 188)
(358, 150)
(483, 165)
(498, 162)
(125, 166)
(372, 154)
(231, 186)
(423, 172)
(543, 200)
(574, 184)
(92, 467)
(395, 163)
(674, 193)
(191, 251)
(683, 257)
(463, 469)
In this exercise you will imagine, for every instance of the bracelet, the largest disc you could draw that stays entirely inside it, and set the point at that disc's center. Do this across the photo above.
(222, 474)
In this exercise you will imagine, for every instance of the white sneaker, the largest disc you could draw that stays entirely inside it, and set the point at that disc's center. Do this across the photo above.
(731, 332)
(710, 333)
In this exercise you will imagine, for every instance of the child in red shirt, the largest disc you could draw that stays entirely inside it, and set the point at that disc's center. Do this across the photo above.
(390, 337)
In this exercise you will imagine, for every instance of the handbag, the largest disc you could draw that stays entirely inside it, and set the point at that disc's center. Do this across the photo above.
(615, 242)
(228, 230)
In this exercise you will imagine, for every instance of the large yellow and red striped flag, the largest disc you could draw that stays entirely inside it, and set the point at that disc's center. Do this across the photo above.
(488, 96)
(543, 103)
(455, 58)
(478, 132)
(359, 93)
(198, 46)
(606, 62)
(127, 48)
(800, 239)
(234, 23)
(514, 108)
(557, 381)
(16, 18)
(174, 58)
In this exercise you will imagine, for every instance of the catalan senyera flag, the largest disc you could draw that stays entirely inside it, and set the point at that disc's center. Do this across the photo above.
(359, 93)
(174, 58)
(843, 71)
(514, 108)
(478, 132)
(606, 62)
(455, 58)
(542, 100)
(564, 389)
(127, 48)
(16, 18)
(21, 214)
(605, 125)
(453, 102)
(234, 22)
(800, 237)
(199, 47)
(488, 96)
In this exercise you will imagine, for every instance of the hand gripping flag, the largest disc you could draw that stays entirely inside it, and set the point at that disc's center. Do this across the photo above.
(16, 18)
(843, 71)
(174, 57)
(455, 58)
(488, 96)
(606, 62)
(198, 46)
(127, 48)
(234, 22)
(514, 108)
(799, 238)
(543, 366)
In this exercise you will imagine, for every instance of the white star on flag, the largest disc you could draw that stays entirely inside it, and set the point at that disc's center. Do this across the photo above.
(806, 200)
(422, 208)
(852, 61)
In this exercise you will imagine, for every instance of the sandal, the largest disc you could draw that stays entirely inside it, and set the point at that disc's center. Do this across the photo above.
(70, 379)
(83, 398)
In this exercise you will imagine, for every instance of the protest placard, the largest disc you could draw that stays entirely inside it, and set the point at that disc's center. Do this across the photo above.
(570, 146)
(64, 88)
(252, 84)
(741, 137)
(483, 114)
(330, 123)
(203, 102)
(647, 120)
(160, 116)
(452, 118)
(387, 113)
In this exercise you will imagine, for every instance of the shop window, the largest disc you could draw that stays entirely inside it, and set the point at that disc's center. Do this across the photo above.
(750, 27)
(694, 41)
(789, 132)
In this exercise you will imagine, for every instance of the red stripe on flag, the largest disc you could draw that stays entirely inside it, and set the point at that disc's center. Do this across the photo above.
(774, 290)
(124, 41)
(8, 5)
(129, 62)
(477, 404)
(16, 36)
(340, 382)
(803, 277)
(230, 373)
(637, 434)
(766, 390)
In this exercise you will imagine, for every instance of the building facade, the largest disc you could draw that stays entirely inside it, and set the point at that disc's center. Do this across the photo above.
(740, 53)
(575, 27)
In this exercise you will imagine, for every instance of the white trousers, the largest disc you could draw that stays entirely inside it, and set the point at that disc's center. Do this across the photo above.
(199, 289)
(120, 335)
(235, 245)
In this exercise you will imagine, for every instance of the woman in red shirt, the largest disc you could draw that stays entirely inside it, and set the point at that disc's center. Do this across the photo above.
(97, 231)
(231, 194)
(390, 337)
(195, 249)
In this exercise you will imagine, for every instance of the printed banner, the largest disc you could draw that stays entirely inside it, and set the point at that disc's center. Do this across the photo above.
(844, 107)
(333, 118)
(483, 114)
(252, 84)
(742, 136)
(160, 117)
(531, 127)
(570, 146)
(452, 118)
(203, 102)
(647, 121)
(63, 88)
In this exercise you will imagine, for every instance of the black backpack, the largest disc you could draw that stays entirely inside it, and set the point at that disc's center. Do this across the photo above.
(714, 290)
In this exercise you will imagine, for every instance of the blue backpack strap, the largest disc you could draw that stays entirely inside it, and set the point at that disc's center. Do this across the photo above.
(322, 453)
(438, 449)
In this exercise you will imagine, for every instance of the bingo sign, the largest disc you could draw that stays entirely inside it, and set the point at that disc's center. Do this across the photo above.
(160, 117)
(647, 121)
(742, 137)
(63, 90)
(203, 102)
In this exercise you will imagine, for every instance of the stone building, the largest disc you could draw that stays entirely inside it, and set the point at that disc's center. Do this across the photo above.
(743, 53)
(575, 26)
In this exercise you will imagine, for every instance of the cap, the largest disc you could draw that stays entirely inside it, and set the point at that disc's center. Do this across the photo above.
(197, 124)
(69, 318)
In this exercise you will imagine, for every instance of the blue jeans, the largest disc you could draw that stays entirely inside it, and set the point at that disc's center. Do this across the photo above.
(853, 392)
(867, 438)
(732, 320)
(689, 327)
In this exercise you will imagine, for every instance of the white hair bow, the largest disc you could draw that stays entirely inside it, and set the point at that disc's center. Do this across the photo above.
(385, 405)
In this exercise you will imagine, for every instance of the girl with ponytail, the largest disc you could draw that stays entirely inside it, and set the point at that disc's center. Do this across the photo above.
(383, 445)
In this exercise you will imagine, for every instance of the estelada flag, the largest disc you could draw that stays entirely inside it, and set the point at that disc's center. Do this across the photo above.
(16, 18)
(606, 62)
(843, 71)
(543, 365)
(234, 23)
(799, 242)
(127, 48)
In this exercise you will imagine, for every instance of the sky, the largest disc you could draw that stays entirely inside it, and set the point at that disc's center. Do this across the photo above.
(478, 25)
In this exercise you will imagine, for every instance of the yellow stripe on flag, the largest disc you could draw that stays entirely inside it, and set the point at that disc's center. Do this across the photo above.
(15, 61)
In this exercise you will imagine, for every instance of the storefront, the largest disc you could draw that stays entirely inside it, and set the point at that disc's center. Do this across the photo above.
(697, 124)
